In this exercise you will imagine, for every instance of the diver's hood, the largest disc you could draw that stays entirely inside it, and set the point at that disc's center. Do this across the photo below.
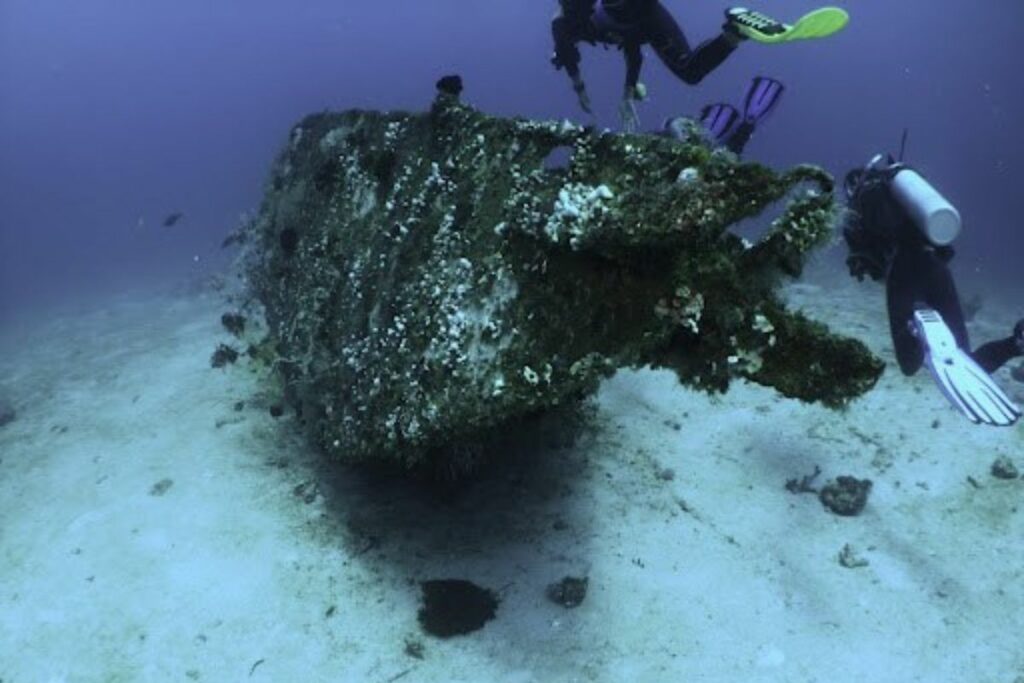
(879, 168)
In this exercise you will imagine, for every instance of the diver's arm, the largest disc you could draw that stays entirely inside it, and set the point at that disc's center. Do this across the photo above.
(633, 91)
(869, 256)
(634, 62)
(567, 56)
(869, 233)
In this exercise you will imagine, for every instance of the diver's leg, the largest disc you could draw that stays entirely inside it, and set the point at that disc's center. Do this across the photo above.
(996, 354)
(670, 44)
(737, 142)
(940, 293)
(903, 295)
(919, 277)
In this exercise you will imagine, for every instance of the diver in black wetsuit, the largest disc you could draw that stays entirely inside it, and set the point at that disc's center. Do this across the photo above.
(899, 230)
(629, 24)
(885, 244)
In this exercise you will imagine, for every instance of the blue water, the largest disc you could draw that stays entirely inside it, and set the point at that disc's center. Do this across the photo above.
(114, 114)
(117, 114)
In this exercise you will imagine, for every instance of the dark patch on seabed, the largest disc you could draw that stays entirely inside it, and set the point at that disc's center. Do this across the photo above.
(846, 496)
(569, 592)
(7, 413)
(453, 607)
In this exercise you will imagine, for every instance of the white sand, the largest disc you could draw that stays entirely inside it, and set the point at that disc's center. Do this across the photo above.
(230, 575)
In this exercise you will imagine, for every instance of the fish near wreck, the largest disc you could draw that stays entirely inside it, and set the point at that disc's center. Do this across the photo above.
(429, 282)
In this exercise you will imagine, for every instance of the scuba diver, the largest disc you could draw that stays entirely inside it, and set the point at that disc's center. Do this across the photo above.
(725, 125)
(899, 229)
(630, 24)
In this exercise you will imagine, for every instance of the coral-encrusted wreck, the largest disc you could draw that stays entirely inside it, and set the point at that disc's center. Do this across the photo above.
(429, 282)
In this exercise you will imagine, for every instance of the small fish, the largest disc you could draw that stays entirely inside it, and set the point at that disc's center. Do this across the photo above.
(173, 218)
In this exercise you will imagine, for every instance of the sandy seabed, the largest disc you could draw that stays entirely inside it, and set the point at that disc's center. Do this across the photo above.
(150, 530)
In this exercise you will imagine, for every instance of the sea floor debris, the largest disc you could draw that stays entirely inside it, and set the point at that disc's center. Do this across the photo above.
(454, 607)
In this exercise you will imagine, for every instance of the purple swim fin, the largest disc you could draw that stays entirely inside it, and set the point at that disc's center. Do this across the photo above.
(762, 96)
(719, 120)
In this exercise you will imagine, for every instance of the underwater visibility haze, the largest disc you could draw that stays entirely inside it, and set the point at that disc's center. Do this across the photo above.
(112, 113)
(339, 342)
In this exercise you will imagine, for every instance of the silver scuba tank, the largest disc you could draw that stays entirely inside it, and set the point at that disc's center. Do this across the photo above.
(936, 218)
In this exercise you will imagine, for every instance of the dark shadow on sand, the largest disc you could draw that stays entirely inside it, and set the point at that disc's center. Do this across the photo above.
(519, 525)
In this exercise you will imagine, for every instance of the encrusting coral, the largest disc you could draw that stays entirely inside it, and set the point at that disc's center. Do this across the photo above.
(429, 281)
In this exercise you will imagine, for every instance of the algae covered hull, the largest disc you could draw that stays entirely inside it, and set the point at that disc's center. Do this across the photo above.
(432, 279)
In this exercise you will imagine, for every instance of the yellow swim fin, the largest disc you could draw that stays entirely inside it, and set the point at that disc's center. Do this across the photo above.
(820, 23)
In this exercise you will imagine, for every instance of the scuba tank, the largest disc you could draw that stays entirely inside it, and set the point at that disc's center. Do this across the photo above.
(935, 218)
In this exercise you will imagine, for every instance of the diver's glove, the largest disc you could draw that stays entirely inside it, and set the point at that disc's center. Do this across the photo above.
(630, 119)
(627, 108)
(581, 94)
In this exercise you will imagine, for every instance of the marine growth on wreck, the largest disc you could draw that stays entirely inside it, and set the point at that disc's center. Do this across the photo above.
(431, 279)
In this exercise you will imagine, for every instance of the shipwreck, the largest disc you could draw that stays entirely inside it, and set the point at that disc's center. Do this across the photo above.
(432, 279)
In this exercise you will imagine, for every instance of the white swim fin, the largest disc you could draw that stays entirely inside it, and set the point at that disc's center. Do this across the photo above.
(964, 383)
